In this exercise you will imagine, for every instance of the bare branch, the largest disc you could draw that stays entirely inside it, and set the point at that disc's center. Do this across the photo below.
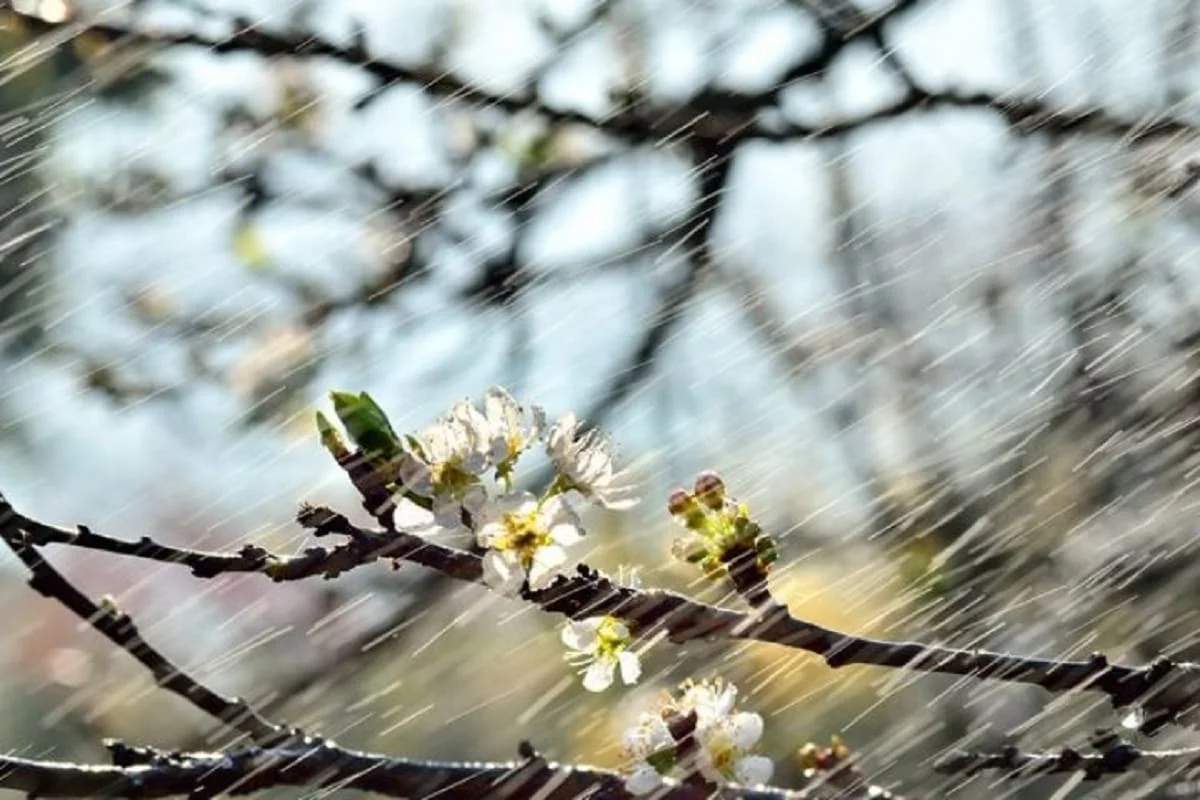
(711, 114)
(148, 773)
(1166, 690)
(1113, 757)
(119, 629)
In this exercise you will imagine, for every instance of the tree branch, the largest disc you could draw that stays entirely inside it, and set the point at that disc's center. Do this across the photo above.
(711, 114)
(1166, 690)
(1113, 757)
(148, 773)
(119, 629)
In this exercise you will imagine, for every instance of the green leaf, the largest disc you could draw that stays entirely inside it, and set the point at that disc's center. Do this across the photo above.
(662, 760)
(366, 424)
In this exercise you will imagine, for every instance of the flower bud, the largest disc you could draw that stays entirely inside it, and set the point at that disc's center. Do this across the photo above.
(710, 490)
(679, 502)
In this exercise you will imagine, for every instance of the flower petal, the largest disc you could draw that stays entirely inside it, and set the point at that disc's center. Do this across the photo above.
(489, 533)
(566, 535)
(546, 562)
(581, 634)
(631, 667)
(753, 770)
(501, 574)
(599, 676)
(643, 780)
(745, 729)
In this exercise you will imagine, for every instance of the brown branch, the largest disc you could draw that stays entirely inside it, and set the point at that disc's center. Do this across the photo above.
(287, 757)
(119, 629)
(1113, 757)
(1166, 690)
(148, 773)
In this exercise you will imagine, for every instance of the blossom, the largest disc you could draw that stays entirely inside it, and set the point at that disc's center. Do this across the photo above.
(508, 434)
(585, 465)
(725, 746)
(601, 643)
(445, 461)
(525, 538)
(650, 749)
(712, 701)
(721, 742)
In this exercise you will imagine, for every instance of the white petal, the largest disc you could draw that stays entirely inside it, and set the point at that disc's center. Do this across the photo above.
(522, 503)
(722, 702)
(501, 574)
(447, 511)
(499, 405)
(562, 436)
(546, 562)
(745, 729)
(489, 533)
(557, 511)
(475, 499)
(566, 535)
(650, 735)
(631, 667)
(753, 770)
(415, 476)
(599, 676)
(581, 634)
(537, 424)
(643, 780)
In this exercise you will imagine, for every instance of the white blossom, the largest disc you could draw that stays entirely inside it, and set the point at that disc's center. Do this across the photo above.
(723, 740)
(508, 433)
(601, 645)
(650, 749)
(724, 750)
(525, 539)
(585, 465)
(446, 461)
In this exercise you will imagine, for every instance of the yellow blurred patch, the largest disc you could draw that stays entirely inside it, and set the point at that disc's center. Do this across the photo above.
(248, 246)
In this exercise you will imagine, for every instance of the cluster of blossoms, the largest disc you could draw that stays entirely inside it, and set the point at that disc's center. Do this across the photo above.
(461, 469)
(720, 528)
(697, 732)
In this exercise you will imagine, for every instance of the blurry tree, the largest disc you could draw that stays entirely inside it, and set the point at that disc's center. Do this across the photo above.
(922, 272)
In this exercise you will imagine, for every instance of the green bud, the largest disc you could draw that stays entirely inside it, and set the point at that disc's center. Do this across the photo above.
(331, 440)
(768, 553)
(366, 424)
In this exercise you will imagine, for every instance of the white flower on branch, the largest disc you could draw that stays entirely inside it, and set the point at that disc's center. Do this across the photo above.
(601, 645)
(446, 461)
(525, 539)
(706, 735)
(509, 433)
(584, 464)
(650, 749)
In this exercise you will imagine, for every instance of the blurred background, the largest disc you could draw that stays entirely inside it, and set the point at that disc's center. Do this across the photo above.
(919, 277)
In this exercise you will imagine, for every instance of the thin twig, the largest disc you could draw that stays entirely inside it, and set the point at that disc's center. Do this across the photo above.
(119, 629)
